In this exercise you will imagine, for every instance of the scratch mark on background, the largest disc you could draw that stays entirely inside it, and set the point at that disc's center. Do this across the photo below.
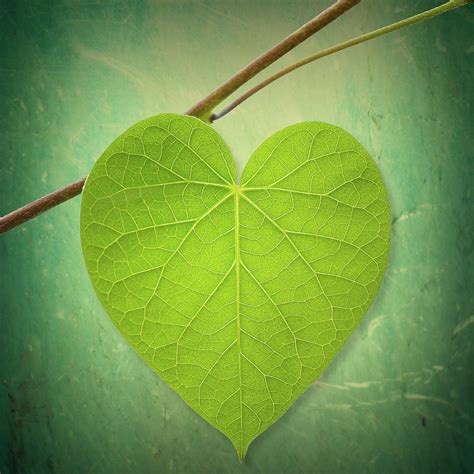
(110, 61)
(461, 326)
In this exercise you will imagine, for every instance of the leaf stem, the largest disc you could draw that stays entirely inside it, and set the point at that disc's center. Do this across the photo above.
(346, 44)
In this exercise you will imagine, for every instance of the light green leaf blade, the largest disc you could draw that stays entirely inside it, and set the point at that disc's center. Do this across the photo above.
(238, 296)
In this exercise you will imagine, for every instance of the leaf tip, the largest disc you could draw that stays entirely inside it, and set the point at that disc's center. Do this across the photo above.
(241, 455)
(241, 451)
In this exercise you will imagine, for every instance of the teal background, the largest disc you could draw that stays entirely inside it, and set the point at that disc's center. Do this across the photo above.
(74, 398)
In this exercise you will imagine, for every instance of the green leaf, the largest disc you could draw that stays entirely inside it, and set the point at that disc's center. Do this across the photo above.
(237, 296)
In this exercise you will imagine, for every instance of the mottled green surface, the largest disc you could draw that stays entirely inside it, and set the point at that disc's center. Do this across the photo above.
(74, 398)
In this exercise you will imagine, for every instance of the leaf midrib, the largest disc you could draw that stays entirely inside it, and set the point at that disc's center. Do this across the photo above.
(236, 192)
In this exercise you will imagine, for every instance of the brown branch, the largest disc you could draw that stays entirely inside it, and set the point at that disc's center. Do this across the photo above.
(41, 205)
(203, 109)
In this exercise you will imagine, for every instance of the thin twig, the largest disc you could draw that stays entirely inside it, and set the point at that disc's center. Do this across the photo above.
(334, 49)
(203, 109)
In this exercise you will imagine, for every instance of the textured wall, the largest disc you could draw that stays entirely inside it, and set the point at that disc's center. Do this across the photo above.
(74, 398)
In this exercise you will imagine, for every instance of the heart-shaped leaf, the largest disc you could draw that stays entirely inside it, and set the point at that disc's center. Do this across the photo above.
(239, 296)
